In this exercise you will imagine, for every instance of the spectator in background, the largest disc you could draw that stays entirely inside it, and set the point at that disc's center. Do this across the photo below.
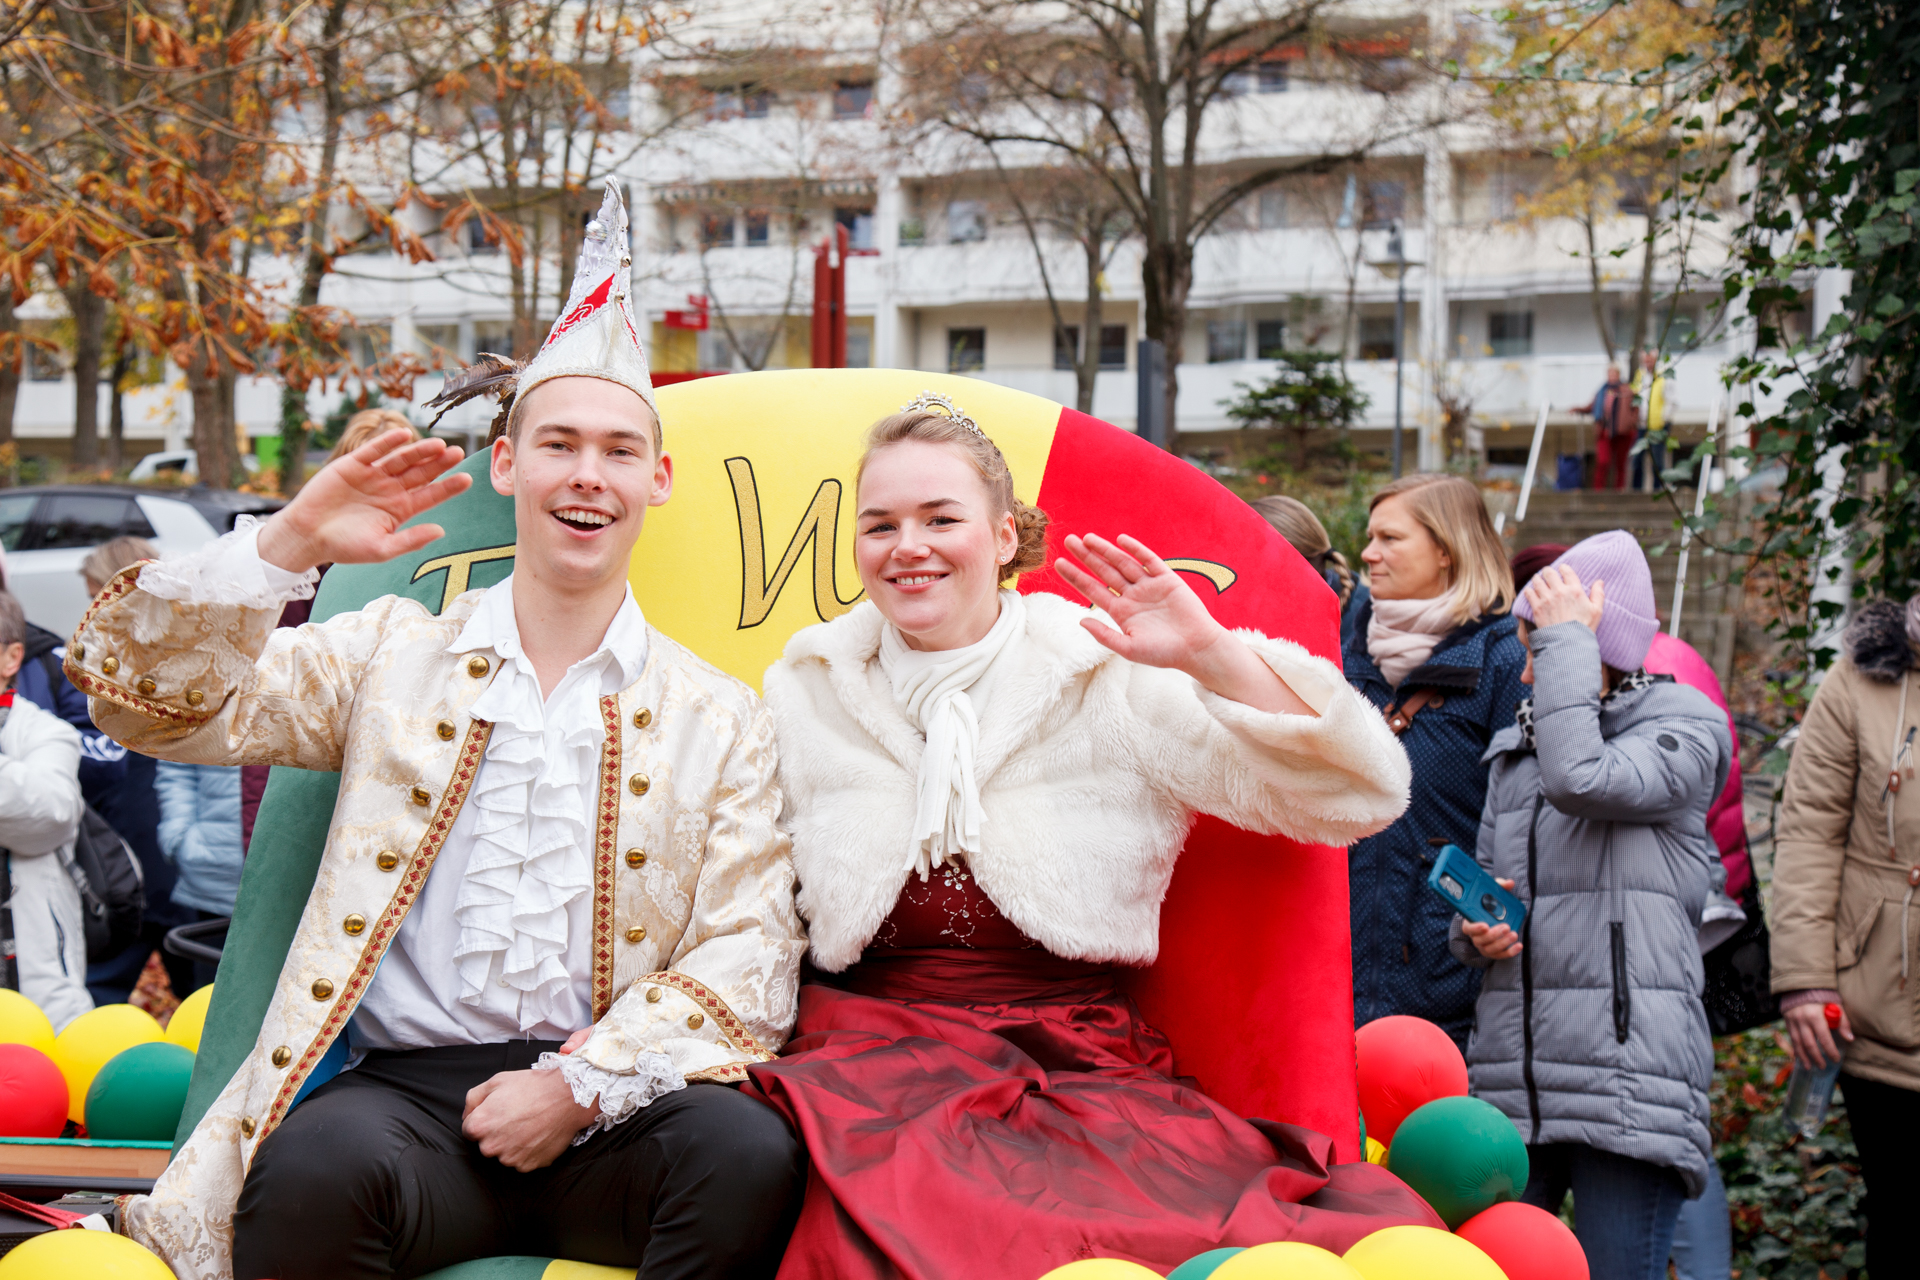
(1590, 1032)
(1428, 640)
(39, 814)
(120, 787)
(360, 428)
(200, 834)
(1845, 866)
(1703, 1235)
(1651, 386)
(1294, 521)
(1616, 423)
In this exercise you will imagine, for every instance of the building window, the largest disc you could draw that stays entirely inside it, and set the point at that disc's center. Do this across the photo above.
(367, 347)
(756, 220)
(494, 339)
(1226, 340)
(1269, 339)
(1270, 77)
(966, 350)
(44, 365)
(477, 241)
(1386, 204)
(1510, 333)
(1273, 209)
(966, 221)
(716, 231)
(438, 340)
(1113, 346)
(913, 231)
(1507, 192)
(859, 348)
(859, 225)
(1376, 337)
(755, 103)
(852, 99)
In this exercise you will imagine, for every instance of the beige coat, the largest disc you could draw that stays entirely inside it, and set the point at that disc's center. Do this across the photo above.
(696, 946)
(1846, 912)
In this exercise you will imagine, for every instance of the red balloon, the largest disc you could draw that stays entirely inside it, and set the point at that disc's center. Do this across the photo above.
(1526, 1243)
(33, 1094)
(1405, 1063)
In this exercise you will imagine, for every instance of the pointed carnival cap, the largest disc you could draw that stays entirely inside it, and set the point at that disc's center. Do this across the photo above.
(597, 335)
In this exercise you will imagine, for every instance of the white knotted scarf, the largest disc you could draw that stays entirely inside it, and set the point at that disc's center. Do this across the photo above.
(931, 690)
(1402, 634)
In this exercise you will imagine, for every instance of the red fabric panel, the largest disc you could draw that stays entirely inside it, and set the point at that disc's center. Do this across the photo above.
(1254, 984)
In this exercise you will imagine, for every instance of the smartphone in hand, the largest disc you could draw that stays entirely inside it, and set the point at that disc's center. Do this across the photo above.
(1469, 890)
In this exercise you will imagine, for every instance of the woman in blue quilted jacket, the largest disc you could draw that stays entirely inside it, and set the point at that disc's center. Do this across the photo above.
(200, 836)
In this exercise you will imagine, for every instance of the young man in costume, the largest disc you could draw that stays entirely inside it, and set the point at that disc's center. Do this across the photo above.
(554, 825)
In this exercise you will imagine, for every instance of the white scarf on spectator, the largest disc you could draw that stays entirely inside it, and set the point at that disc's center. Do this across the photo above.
(931, 690)
(1402, 633)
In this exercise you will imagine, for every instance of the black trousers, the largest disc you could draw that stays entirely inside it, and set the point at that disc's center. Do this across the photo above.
(1886, 1123)
(371, 1177)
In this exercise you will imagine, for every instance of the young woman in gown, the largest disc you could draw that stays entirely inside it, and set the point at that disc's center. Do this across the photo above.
(986, 794)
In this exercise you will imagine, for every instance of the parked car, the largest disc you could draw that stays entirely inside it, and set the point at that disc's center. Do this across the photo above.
(48, 530)
(179, 462)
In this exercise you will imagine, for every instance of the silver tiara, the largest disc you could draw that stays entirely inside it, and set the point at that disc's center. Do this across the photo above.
(934, 400)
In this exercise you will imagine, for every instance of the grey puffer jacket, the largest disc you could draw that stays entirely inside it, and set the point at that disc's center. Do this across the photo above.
(1595, 1033)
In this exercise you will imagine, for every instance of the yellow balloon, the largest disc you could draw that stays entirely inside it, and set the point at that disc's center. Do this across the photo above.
(1287, 1260)
(1376, 1152)
(91, 1040)
(187, 1022)
(1093, 1269)
(97, 1255)
(21, 1022)
(1418, 1253)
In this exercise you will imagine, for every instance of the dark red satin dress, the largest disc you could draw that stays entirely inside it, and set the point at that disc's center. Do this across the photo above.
(974, 1106)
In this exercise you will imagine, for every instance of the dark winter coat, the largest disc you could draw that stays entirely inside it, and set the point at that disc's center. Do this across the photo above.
(1401, 963)
(1594, 1033)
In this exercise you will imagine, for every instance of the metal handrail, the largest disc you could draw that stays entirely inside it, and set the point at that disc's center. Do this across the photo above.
(185, 940)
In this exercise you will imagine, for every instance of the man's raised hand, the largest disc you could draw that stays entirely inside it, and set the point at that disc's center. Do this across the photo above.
(351, 511)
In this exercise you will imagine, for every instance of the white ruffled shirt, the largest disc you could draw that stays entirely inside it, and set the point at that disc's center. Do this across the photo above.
(499, 946)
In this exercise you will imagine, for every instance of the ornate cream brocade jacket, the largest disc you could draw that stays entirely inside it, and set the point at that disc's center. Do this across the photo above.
(696, 941)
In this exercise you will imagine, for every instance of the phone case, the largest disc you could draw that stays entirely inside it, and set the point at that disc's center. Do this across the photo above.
(1468, 889)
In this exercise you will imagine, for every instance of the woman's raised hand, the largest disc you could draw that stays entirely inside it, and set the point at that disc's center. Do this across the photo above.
(351, 511)
(1163, 624)
(1557, 596)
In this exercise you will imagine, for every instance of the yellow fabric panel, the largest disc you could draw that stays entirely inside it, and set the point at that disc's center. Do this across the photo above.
(757, 540)
(560, 1269)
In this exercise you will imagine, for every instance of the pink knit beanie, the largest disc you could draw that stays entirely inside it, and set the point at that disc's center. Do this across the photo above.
(1627, 622)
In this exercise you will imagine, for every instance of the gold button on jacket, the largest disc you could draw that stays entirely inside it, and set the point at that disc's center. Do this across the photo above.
(282, 1056)
(654, 994)
(195, 697)
(477, 666)
(78, 652)
(636, 933)
(387, 861)
(146, 685)
(445, 730)
(636, 857)
(695, 1021)
(639, 783)
(421, 795)
(322, 989)
(110, 664)
(354, 924)
(246, 1126)
(642, 718)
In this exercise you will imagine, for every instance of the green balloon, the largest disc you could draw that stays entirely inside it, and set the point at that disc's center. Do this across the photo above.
(138, 1095)
(1462, 1155)
(1202, 1265)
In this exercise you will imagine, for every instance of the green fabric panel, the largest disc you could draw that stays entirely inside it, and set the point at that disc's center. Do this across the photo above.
(493, 1269)
(291, 831)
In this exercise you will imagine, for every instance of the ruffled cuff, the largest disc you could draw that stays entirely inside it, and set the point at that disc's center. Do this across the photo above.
(228, 571)
(620, 1094)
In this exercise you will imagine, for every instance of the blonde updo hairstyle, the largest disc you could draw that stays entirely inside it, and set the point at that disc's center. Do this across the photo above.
(931, 427)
